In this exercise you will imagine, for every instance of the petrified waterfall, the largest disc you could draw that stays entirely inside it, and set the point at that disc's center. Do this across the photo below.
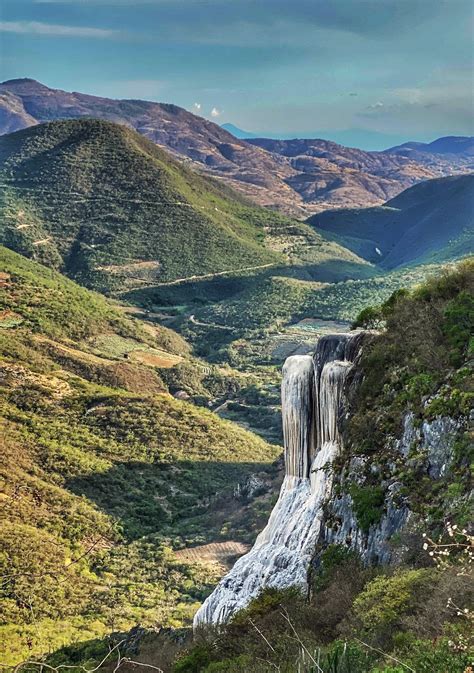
(297, 401)
(312, 389)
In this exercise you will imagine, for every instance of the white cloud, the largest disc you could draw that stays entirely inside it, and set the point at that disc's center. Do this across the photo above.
(376, 106)
(215, 112)
(39, 28)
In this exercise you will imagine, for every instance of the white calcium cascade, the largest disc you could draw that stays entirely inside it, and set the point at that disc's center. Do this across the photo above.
(312, 390)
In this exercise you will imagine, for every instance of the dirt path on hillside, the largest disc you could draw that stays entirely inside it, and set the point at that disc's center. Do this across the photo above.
(207, 276)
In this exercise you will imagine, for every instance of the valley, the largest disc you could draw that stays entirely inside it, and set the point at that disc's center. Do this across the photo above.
(147, 310)
(90, 436)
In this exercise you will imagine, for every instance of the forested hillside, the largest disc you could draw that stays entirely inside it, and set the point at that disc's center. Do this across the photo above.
(110, 209)
(105, 473)
(430, 222)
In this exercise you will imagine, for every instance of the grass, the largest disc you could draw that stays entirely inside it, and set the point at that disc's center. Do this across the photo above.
(103, 477)
(52, 305)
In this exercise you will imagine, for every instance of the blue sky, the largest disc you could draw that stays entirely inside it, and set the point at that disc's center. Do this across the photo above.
(367, 72)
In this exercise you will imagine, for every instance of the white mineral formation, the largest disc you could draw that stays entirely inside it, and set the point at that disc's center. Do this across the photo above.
(312, 390)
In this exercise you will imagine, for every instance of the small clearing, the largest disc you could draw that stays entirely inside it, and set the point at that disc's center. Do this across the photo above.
(155, 358)
(223, 553)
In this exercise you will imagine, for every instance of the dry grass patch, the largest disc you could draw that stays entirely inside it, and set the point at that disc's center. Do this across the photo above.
(155, 358)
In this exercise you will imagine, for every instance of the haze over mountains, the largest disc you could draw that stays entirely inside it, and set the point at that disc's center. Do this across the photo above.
(295, 177)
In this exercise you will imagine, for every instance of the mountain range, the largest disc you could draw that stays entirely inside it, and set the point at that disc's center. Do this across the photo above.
(295, 177)
(111, 210)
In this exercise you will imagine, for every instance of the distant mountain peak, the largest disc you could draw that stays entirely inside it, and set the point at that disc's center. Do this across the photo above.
(463, 145)
(25, 85)
(237, 132)
(21, 80)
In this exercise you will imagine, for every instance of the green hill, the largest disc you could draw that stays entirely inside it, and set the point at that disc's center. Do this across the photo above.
(110, 209)
(101, 203)
(430, 222)
(104, 473)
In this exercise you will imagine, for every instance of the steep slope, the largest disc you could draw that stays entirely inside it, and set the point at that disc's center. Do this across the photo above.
(113, 211)
(13, 115)
(103, 477)
(322, 175)
(430, 222)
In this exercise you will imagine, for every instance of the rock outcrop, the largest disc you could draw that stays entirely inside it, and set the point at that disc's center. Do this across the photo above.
(312, 391)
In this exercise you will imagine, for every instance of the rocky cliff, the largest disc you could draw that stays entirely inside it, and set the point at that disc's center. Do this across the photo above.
(344, 485)
(313, 395)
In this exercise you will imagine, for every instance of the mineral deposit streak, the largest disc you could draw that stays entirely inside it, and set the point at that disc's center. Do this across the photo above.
(312, 395)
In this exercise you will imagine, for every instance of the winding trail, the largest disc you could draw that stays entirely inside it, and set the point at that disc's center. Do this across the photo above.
(206, 276)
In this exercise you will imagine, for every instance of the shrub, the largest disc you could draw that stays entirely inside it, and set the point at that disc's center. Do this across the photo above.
(334, 558)
(234, 665)
(195, 661)
(381, 605)
(368, 504)
(458, 326)
(369, 318)
(265, 602)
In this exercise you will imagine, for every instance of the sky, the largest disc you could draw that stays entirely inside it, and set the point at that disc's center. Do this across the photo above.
(370, 73)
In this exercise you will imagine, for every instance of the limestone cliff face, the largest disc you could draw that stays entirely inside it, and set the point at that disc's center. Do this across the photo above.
(312, 400)
(329, 496)
(433, 442)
